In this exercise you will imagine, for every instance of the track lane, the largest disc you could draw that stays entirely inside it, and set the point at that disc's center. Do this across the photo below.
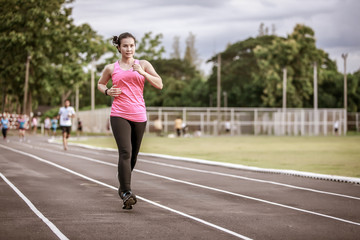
(195, 233)
(250, 215)
(295, 201)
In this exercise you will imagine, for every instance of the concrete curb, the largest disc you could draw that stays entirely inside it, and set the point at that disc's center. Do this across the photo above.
(334, 178)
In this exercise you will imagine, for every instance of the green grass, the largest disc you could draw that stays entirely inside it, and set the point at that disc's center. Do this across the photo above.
(327, 155)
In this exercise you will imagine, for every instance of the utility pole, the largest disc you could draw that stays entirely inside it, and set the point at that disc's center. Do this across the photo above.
(344, 56)
(225, 99)
(26, 83)
(77, 98)
(218, 92)
(283, 114)
(92, 85)
(3, 96)
(284, 88)
(316, 116)
(315, 87)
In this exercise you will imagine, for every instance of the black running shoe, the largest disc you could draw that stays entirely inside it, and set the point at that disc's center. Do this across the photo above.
(129, 199)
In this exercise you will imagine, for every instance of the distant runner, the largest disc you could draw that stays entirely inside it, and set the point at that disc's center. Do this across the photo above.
(22, 122)
(66, 113)
(54, 124)
(4, 126)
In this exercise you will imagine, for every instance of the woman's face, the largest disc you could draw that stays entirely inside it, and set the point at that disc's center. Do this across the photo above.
(127, 47)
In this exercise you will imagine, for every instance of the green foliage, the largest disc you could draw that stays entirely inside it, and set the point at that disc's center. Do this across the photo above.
(251, 70)
(183, 85)
(252, 73)
(354, 92)
(297, 54)
(191, 55)
(50, 113)
(149, 47)
(59, 49)
(238, 64)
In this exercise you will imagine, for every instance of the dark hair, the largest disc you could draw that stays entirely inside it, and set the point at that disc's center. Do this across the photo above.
(117, 39)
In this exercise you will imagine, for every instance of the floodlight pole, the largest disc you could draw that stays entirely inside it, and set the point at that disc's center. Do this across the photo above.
(315, 87)
(26, 83)
(284, 101)
(92, 85)
(284, 88)
(77, 98)
(316, 117)
(344, 56)
(225, 105)
(225, 99)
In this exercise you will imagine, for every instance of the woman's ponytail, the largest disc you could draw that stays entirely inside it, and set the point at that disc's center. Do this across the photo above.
(115, 41)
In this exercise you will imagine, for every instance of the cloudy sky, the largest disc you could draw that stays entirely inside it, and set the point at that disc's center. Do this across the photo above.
(216, 23)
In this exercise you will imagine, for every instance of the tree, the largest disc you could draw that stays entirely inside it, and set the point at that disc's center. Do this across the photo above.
(26, 30)
(176, 48)
(191, 54)
(239, 63)
(150, 47)
(297, 53)
(252, 72)
(261, 30)
(273, 29)
(353, 91)
(59, 49)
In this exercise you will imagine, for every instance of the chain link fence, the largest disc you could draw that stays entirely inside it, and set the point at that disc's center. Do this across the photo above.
(236, 121)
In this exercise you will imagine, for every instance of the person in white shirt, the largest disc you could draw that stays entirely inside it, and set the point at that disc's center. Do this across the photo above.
(34, 124)
(47, 125)
(65, 115)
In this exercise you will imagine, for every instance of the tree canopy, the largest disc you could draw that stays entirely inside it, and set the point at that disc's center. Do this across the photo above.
(251, 69)
(252, 73)
(59, 49)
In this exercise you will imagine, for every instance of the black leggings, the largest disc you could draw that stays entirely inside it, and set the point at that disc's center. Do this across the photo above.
(4, 131)
(128, 136)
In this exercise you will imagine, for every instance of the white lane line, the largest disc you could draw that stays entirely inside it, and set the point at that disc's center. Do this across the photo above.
(239, 166)
(258, 169)
(53, 228)
(115, 188)
(219, 190)
(250, 179)
(248, 197)
(215, 173)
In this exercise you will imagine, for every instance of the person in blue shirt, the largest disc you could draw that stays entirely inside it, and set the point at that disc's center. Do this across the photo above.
(22, 127)
(4, 125)
(54, 123)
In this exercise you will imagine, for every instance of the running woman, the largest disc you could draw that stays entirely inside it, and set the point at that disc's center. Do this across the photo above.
(4, 125)
(65, 114)
(22, 121)
(128, 112)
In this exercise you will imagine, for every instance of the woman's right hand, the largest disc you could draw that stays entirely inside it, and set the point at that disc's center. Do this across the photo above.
(114, 91)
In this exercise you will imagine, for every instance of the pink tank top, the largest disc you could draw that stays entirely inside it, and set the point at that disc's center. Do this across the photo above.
(130, 104)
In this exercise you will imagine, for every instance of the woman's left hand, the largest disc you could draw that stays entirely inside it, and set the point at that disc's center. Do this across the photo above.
(139, 69)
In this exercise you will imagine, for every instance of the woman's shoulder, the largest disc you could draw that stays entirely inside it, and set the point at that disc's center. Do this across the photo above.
(144, 63)
(110, 67)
